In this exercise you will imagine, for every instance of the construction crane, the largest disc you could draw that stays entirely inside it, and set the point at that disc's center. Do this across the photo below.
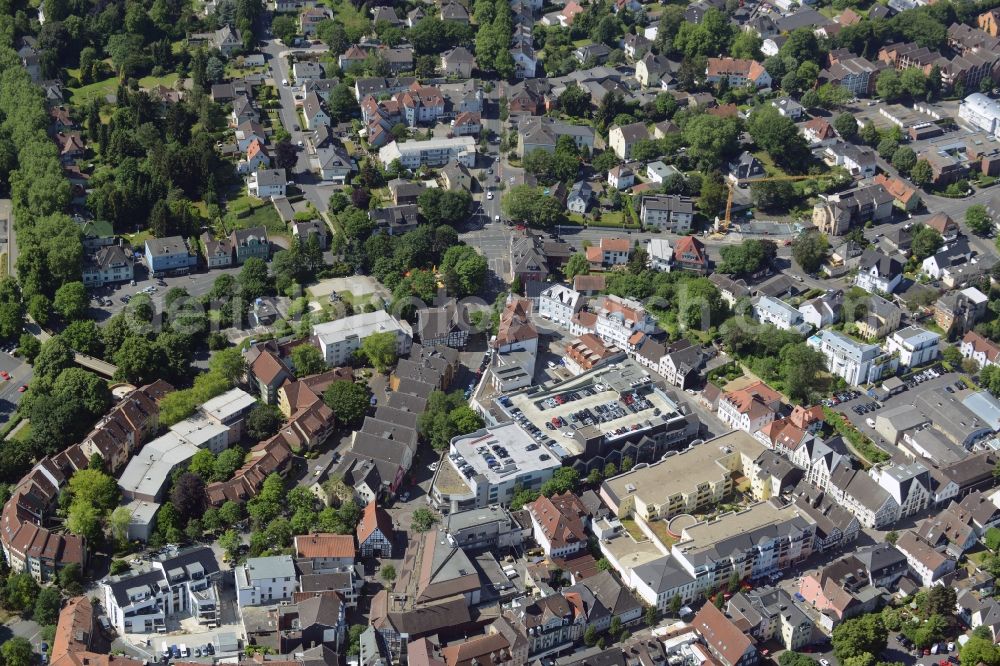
(722, 225)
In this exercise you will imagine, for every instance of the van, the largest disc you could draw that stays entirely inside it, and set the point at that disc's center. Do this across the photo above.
(934, 649)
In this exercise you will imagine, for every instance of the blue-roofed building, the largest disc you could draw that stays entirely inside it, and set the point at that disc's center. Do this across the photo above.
(985, 407)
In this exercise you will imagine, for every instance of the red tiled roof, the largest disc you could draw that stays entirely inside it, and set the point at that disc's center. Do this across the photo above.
(325, 545)
(374, 517)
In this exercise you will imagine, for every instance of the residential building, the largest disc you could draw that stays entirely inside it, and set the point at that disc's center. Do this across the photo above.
(749, 409)
(661, 255)
(818, 132)
(169, 255)
(263, 580)
(855, 362)
(690, 255)
(375, 533)
(579, 198)
(738, 72)
(947, 258)
(873, 506)
(559, 303)
(909, 485)
(218, 252)
(622, 322)
(788, 107)
(915, 346)
(326, 552)
(609, 252)
(267, 183)
(860, 161)
(878, 273)
(746, 166)
(430, 152)
(651, 69)
(824, 310)
(559, 524)
(680, 366)
(621, 177)
(906, 196)
(442, 325)
(979, 349)
(981, 112)
(770, 613)
(671, 213)
(247, 243)
(856, 74)
(621, 138)
(960, 310)
(726, 641)
(458, 62)
(534, 133)
(765, 538)
(875, 318)
(108, 265)
(989, 22)
(927, 563)
(338, 340)
(689, 481)
(185, 583)
(777, 313)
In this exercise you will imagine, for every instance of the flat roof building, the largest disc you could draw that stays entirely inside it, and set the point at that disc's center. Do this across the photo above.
(682, 482)
(483, 467)
(612, 411)
(146, 476)
(763, 539)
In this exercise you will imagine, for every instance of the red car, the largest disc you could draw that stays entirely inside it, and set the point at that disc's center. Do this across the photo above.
(22, 388)
(5, 375)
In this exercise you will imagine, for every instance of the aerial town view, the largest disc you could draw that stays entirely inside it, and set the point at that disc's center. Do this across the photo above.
(500, 332)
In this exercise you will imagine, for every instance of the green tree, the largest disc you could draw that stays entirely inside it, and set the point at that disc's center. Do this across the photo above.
(650, 615)
(17, 651)
(423, 519)
(231, 542)
(801, 365)
(20, 592)
(675, 605)
(922, 173)
(809, 250)
(71, 300)
(308, 360)
(264, 421)
(925, 241)
(119, 522)
(978, 220)
(859, 635)
(380, 350)
(891, 537)
(903, 159)
(712, 197)
(284, 28)
(47, 604)
(979, 651)
(778, 135)
(348, 400)
(564, 480)
(847, 125)
(95, 488)
(711, 140)
(138, 359)
(576, 265)
(388, 572)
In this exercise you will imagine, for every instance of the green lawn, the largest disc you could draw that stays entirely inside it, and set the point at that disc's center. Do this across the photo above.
(23, 434)
(86, 94)
(347, 15)
(138, 240)
(247, 212)
(633, 529)
(167, 81)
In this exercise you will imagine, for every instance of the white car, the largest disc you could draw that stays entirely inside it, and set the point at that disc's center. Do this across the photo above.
(433, 466)
(824, 662)
(284, 82)
(489, 195)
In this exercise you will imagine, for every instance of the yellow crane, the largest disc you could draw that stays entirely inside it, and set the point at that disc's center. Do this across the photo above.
(722, 225)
